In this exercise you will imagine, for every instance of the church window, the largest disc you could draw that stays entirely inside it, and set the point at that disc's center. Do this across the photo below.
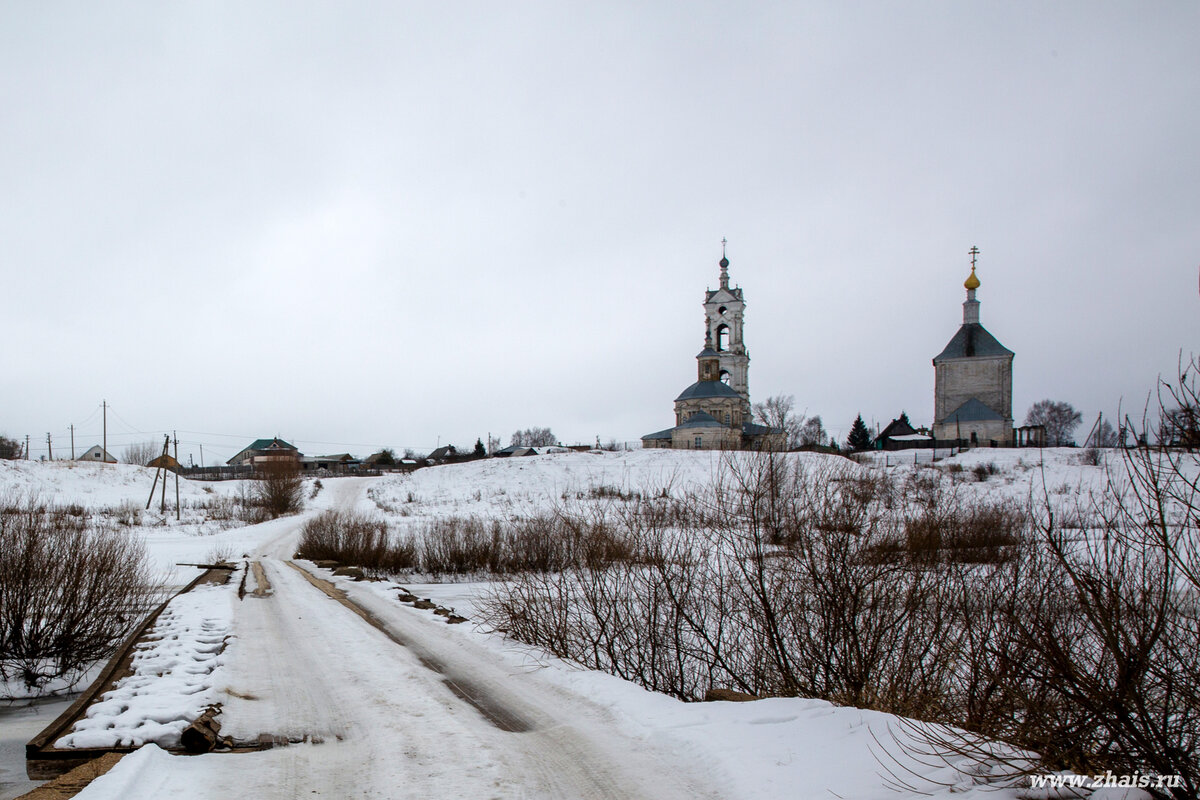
(725, 376)
(699, 442)
(721, 311)
(722, 337)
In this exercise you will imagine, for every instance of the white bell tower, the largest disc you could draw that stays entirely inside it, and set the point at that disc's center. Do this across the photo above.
(724, 317)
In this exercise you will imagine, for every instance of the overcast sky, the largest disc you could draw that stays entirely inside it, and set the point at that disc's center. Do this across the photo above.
(404, 224)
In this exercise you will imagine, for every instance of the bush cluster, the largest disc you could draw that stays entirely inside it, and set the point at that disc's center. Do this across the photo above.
(465, 545)
(905, 597)
(69, 591)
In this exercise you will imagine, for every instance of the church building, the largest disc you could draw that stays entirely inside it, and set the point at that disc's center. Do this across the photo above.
(973, 381)
(714, 412)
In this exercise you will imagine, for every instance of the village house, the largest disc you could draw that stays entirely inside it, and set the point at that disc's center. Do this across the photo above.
(264, 451)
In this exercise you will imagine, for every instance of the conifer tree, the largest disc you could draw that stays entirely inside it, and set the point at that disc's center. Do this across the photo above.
(860, 437)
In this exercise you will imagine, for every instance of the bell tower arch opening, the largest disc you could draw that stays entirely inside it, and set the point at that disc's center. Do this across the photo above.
(724, 314)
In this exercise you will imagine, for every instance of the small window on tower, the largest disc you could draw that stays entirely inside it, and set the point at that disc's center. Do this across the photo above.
(721, 311)
(722, 337)
(725, 376)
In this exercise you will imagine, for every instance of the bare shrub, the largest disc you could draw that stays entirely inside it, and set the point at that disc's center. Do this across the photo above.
(69, 591)
(279, 487)
(128, 514)
(219, 554)
(458, 545)
(975, 532)
(762, 584)
(350, 538)
(141, 453)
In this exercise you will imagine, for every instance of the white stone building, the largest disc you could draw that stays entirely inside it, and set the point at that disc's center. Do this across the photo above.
(973, 381)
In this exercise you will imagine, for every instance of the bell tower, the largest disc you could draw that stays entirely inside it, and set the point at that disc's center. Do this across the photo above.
(724, 316)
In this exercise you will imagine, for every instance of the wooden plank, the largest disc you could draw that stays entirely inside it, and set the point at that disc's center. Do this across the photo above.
(42, 759)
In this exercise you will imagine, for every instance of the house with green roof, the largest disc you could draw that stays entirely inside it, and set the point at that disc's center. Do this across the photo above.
(262, 451)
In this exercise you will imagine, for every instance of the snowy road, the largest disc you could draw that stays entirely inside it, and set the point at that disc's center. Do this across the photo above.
(413, 710)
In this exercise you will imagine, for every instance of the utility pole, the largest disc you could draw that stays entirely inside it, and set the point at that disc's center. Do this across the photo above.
(72, 442)
(202, 455)
(27, 447)
(104, 455)
(49, 448)
(178, 466)
(157, 472)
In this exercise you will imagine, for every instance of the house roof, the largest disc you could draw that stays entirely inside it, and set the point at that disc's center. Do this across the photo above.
(97, 450)
(972, 411)
(895, 429)
(444, 451)
(971, 341)
(517, 450)
(264, 444)
(754, 429)
(663, 434)
(341, 457)
(270, 444)
(702, 419)
(704, 389)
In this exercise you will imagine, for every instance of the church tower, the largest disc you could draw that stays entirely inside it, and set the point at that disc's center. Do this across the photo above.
(714, 413)
(973, 380)
(724, 314)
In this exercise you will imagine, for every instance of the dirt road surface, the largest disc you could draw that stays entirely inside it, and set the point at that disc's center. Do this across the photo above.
(413, 710)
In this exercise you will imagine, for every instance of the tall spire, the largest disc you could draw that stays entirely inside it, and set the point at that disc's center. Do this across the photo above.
(724, 266)
(971, 306)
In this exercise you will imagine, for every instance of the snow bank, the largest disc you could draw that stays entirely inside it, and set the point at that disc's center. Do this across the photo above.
(97, 486)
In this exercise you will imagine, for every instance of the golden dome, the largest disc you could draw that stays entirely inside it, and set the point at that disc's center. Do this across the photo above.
(972, 282)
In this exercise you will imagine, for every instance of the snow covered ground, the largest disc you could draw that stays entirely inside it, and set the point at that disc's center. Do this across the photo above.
(380, 714)
(116, 494)
(510, 488)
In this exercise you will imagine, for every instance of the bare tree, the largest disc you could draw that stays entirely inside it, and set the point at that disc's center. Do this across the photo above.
(533, 437)
(1103, 436)
(1180, 427)
(141, 453)
(779, 412)
(10, 448)
(1059, 419)
(812, 432)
